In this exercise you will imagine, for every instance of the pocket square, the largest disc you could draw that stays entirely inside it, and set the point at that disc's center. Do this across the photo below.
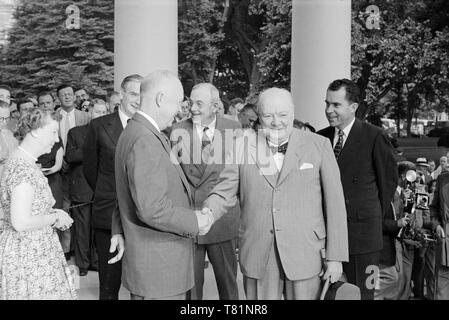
(306, 165)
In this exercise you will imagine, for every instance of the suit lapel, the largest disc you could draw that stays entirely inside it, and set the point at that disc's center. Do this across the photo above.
(114, 128)
(352, 142)
(262, 155)
(164, 141)
(293, 155)
(193, 168)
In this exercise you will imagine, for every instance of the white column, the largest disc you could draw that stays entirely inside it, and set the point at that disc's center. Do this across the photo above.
(321, 53)
(145, 37)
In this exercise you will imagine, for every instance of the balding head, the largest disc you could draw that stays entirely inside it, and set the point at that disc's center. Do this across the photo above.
(161, 96)
(276, 114)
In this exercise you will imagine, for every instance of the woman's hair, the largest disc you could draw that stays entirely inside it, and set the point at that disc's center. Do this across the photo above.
(33, 120)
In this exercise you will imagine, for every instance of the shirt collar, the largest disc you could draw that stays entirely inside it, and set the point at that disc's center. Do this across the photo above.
(211, 128)
(123, 117)
(347, 129)
(154, 123)
(63, 112)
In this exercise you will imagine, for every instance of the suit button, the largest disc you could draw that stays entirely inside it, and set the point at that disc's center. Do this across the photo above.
(277, 229)
(275, 210)
(272, 231)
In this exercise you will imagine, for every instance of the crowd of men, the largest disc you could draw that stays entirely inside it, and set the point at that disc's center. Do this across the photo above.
(155, 181)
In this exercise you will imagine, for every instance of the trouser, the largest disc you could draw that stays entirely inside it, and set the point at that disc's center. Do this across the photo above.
(387, 284)
(274, 284)
(223, 260)
(110, 275)
(82, 239)
(435, 274)
(412, 270)
(362, 270)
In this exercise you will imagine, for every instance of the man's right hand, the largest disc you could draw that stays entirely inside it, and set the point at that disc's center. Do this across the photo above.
(205, 221)
(117, 243)
(440, 232)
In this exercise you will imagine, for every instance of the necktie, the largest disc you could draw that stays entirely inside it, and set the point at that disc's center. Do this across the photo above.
(205, 141)
(280, 149)
(339, 145)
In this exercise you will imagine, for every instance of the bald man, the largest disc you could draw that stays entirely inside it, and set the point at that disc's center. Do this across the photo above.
(291, 204)
(154, 199)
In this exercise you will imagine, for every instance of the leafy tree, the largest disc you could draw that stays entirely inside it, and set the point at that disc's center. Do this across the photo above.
(43, 53)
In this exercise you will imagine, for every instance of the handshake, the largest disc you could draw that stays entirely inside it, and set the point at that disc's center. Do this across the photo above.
(205, 220)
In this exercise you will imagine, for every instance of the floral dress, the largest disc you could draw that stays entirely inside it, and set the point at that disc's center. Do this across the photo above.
(32, 263)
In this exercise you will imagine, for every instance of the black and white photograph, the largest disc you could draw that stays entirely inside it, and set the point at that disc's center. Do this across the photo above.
(236, 151)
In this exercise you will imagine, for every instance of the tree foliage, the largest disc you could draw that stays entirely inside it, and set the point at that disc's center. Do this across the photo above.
(43, 53)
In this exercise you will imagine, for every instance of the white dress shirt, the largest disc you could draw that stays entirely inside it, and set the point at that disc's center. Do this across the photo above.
(67, 122)
(123, 118)
(346, 131)
(278, 157)
(209, 132)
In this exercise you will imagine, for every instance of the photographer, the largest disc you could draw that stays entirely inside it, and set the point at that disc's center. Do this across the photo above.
(390, 265)
(437, 275)
(414, 236)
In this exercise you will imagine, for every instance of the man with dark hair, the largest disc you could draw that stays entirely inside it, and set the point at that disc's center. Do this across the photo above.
(5, 93)
(98, 166)
(25, 105)
(248, 116)
(369, 177)
(80, 96)
(113, 101)
(46, 101)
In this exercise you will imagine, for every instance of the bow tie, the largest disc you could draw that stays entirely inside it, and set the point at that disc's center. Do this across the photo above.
(281, 149)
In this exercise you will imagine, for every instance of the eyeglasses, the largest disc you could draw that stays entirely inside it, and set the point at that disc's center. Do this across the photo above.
(4, 118)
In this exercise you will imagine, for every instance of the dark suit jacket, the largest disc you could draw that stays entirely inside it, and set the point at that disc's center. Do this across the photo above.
(79, 189)
(154, 215)
(202, 182)
(391, 230)
(369, 177)
(98, 165)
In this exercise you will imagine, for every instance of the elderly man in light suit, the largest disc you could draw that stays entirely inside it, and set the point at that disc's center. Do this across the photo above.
(291, 202)
(154, 226)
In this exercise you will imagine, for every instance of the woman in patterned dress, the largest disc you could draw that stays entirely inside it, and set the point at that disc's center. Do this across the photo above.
(32, 264)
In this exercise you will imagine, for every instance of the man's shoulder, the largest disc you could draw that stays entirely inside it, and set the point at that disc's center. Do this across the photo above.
(326, 131)
(79, 129)
(103, 119)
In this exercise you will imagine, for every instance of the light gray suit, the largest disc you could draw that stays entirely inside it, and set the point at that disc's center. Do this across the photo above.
(297, 211)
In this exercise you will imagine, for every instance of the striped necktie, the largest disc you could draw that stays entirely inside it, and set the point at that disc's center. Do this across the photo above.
(339, 145)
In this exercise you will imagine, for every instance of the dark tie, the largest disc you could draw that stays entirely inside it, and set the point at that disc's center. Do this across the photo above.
(280, 149)
(339, 145)
(205, 141)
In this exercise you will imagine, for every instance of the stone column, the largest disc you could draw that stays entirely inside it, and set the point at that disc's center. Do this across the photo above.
(321, 53)
(145, 37)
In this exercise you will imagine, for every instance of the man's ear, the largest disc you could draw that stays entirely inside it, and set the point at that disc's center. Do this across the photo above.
(355, 106)
(215, 107)
(159, 98)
